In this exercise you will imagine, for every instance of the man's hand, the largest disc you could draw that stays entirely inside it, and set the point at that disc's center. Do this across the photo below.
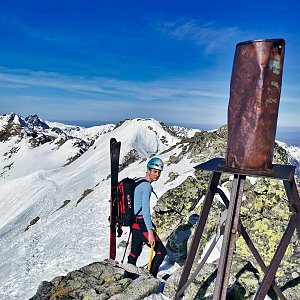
(151, 237)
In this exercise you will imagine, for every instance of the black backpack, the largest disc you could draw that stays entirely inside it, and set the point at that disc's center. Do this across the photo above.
(126, 216)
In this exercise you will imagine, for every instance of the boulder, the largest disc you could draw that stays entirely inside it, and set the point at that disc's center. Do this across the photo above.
(99, 281)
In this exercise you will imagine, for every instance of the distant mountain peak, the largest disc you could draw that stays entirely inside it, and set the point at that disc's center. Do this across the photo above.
(35, 121)
(30, 121)
(11, 118)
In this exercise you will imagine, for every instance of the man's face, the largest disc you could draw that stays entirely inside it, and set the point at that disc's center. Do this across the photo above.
(153, 174)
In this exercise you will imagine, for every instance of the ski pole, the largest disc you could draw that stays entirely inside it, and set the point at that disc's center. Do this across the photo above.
(150, 257)
(126, 247)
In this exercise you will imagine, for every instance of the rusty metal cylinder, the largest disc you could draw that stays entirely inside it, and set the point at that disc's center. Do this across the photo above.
(254, 102)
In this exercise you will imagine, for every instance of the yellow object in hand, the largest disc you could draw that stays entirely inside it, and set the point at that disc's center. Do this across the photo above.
(150, 257)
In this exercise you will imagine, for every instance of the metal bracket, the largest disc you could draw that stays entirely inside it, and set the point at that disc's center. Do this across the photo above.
(234, 224)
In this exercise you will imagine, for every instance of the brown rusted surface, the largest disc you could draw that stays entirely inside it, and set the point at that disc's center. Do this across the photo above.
(253, 106)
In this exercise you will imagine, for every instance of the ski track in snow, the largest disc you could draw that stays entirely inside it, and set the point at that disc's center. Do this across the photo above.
(78, 234)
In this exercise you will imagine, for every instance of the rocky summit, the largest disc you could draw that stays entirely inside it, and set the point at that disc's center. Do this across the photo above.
(99, 281)
(55, 188)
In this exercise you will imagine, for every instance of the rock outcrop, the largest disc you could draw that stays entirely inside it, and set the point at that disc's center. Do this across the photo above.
(99, 281)
(265, 213)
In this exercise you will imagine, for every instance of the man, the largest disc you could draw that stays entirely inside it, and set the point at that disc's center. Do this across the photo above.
(143, 229)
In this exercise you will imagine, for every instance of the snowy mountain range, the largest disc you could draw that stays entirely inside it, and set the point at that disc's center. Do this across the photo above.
(56, 177)
(55, 189)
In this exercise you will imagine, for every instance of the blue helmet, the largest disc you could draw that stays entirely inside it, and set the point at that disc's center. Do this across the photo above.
(155, 163)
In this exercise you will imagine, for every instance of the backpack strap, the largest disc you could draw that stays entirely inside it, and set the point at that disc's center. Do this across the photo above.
(154, 194)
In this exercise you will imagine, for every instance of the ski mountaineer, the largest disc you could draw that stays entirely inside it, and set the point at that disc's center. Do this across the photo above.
(143, 230)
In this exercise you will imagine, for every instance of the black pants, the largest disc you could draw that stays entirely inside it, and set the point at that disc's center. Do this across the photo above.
(140, 237)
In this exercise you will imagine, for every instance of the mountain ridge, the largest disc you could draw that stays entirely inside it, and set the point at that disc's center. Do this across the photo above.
(52, 211)
(33, 192)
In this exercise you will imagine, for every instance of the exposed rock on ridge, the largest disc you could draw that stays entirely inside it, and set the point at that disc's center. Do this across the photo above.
(265, 213)
(99, 280)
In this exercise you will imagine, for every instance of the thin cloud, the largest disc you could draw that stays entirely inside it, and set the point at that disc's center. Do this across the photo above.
(208, 94)
(207, 35)
(290, 99)
(52, 93)
(28, 78)
(118, 89)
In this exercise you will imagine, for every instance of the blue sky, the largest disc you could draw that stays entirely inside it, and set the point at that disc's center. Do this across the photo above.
(104, 61)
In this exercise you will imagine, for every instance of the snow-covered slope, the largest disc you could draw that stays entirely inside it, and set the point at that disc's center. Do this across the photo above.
(53, 211)
(83, 133)
(64, 229)
(31, 144)
(184, 132)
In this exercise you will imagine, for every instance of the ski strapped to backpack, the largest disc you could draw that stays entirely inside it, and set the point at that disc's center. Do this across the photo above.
(115, 147)
(126, 215)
